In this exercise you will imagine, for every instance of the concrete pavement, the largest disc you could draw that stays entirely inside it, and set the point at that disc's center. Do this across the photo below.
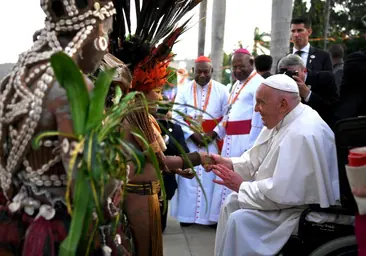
(195, 240)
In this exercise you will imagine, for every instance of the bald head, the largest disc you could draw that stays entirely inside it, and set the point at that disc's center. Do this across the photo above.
(242, 65)
(274, 104)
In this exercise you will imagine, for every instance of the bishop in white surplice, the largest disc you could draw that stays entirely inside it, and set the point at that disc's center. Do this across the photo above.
(241, 125)
(209, 98)
(292, 164)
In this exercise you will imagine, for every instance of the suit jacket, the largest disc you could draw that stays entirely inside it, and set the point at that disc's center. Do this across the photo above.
(172, 150)
(353, 87)
(319, 60)
(324, 96)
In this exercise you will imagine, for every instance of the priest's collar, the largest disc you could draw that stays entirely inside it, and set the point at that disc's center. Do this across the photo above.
(290, 116)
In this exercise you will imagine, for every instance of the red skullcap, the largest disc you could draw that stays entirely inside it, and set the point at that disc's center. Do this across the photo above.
(243, 51)
(202, 59)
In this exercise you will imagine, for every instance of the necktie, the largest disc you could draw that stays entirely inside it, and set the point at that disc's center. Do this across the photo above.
(299, 53)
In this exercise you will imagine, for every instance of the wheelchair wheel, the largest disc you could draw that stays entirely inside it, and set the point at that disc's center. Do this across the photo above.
(343, 246)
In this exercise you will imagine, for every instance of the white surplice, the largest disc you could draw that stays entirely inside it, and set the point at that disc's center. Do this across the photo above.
(289, 167)
(189, 204)
(236, 145)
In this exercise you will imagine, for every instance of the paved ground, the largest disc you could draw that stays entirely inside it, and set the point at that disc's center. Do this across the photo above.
(194, 240)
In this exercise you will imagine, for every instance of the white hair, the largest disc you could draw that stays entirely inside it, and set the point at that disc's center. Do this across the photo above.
(290, 61)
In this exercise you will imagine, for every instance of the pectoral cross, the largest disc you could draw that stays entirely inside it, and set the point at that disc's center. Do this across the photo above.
(199, 119)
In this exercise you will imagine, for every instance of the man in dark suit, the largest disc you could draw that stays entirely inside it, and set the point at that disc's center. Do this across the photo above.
(315, 59)
(353, 87)
(317, 88)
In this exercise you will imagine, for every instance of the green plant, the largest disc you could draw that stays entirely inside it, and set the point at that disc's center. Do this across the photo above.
(100, 154)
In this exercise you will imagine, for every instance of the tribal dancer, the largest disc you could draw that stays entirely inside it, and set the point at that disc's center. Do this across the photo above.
(33, 218)
(141, 202)
(148, 63)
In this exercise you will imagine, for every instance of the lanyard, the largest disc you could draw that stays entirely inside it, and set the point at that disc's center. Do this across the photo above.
(242, 87)
(204, 107)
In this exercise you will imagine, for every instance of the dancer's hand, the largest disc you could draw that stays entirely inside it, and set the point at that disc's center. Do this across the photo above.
(208, 160)
(187, 173)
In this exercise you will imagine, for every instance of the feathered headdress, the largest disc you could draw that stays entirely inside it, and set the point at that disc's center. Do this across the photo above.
(140, 49)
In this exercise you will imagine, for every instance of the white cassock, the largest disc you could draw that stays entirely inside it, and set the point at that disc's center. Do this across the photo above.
(289, 167)
(242, 129)
(188, 204)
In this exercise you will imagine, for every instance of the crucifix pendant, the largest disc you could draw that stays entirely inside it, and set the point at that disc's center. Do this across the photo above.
(199, 119)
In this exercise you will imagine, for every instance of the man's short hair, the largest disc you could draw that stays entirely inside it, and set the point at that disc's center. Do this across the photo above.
(290, 61)
(301, 20)
(263, 63)
(337, 51)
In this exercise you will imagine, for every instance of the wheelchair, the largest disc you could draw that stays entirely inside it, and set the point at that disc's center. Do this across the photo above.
(332, 239)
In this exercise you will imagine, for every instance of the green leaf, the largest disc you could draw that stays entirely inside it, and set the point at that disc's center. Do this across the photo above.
(71, 79)
(117, 95)
(98, 97)
(36, 142)
(82, 197)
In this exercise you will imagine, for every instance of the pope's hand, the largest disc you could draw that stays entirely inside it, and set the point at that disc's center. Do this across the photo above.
(209, 160)
(230, 179)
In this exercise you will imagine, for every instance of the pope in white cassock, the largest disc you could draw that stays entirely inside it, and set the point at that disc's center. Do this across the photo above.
(209, 99)
(292, 164)
(241, 125)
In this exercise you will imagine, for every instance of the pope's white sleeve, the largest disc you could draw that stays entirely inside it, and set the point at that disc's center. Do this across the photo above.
(243, 166)
(250, 197)
(178, 109)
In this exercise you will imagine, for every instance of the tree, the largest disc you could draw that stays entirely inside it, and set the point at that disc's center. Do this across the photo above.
(260, 42)
(217, 40)
(344, 21)
(202, 28)
(280, 32)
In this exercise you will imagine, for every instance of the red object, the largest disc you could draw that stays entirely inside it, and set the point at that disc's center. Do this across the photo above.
(238, 127)
(360, 229)
(202, 59)
(243, 51)
(357, 157)
(208, 126)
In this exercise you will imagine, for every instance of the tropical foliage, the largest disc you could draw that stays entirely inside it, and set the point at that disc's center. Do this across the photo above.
(99, 154)
(345, 26)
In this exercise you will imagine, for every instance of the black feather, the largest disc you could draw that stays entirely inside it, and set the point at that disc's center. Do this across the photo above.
(156, 20)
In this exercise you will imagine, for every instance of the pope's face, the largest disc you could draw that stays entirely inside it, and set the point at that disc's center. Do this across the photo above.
(268, 105)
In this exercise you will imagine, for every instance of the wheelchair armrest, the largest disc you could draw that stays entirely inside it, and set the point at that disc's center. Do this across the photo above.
(316, 208)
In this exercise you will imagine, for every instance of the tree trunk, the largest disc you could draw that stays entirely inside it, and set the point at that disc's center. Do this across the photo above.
(202, 28)
(217, 40)
(326, 22)
(280, 30)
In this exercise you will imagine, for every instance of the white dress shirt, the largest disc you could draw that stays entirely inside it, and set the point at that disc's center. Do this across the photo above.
(305, 53)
